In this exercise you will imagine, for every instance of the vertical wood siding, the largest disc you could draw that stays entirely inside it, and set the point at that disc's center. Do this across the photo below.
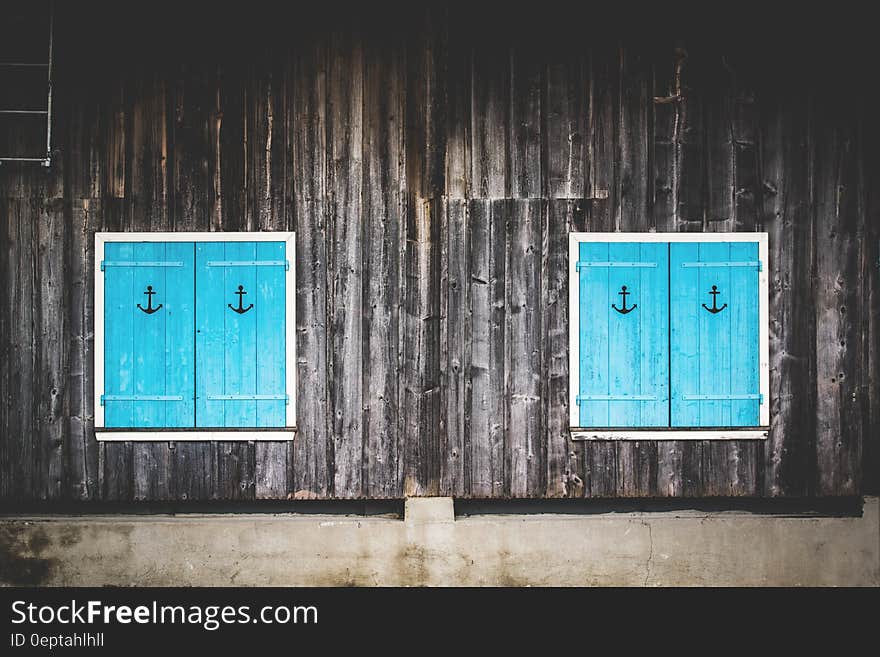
(432, 175)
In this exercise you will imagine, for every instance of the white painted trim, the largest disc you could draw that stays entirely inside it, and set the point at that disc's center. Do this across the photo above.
(288, 237)
(672, 434)
(574, 239)
(98, 318)
(223, 435)
(290, 328)
(669, 237)
(764, 332)
(263, 236)
(574, 329)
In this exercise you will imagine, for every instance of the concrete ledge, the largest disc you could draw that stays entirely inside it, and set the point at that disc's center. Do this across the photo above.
(432, 548)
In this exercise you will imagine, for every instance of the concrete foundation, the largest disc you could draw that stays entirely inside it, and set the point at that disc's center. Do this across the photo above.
(432, 547)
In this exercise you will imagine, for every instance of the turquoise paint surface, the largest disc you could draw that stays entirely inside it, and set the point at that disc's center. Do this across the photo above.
(149, 355)
(240, 354)
(670, 362)
(624, 360)
(195, 347)
(714, 354)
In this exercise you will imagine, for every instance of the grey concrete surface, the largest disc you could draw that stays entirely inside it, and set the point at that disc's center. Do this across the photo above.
(432, 547)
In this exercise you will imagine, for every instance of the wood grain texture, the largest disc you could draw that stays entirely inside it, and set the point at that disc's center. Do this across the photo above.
(565, 115)
(524, 441)
(345, 257)
(840, 309)
(871, 272)
(307, 123)
(383, 135)
(432, 175)
(455, 331)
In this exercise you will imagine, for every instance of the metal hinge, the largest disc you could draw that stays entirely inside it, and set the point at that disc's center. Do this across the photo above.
(120, 263)
(759, 397)
(582, 264)
(746, 263)
(588, 398)
(286, 398)
(140, 398)
(250, 263)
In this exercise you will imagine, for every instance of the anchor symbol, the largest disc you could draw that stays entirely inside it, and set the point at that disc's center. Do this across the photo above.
(240, 310)
(624, 294)
(714, 309)
(149, 309)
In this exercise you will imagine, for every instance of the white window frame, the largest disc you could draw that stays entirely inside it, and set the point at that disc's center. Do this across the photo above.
(103, 433)
(673, 433)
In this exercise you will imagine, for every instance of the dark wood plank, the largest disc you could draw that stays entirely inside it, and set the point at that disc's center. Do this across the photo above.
(840, 310)
(717, 98)
(420, 385)
(565, 116)
(870, 171)
(693, 196)
(524, 437)
(564, 468)
(81, 450)
(7, 472)
(603, 94)
(485, 367)
(21, 374)
(458, 107)
(383, 134)
(50, 390)
(426, 100)
(346, 242)
(312, 449)
(490, 113)
(526, 82)
(454, 340)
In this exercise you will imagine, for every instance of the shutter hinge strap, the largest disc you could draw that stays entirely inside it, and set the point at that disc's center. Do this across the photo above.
(750, 263)
(628, 398)
(247, 397)
(742, 397)
(250, 263)
(583, 264)
(140, 398)
(143, 263)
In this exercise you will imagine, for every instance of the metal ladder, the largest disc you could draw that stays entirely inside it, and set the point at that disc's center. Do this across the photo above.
(12, 111)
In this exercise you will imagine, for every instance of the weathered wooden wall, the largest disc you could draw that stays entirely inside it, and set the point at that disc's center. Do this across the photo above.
(432, 166)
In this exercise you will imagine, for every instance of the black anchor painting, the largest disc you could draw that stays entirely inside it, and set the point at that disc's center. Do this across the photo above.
(714, 309)
(149, 309)
(624, 310)
(241, 310)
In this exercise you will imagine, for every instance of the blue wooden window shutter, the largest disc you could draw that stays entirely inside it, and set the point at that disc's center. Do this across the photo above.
(148, 347)
(241, 334)
(195, 334)
(624, 323)
(715, 334)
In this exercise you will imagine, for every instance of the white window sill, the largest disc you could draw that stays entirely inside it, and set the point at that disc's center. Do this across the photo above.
(735, 433)
(174, 436)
